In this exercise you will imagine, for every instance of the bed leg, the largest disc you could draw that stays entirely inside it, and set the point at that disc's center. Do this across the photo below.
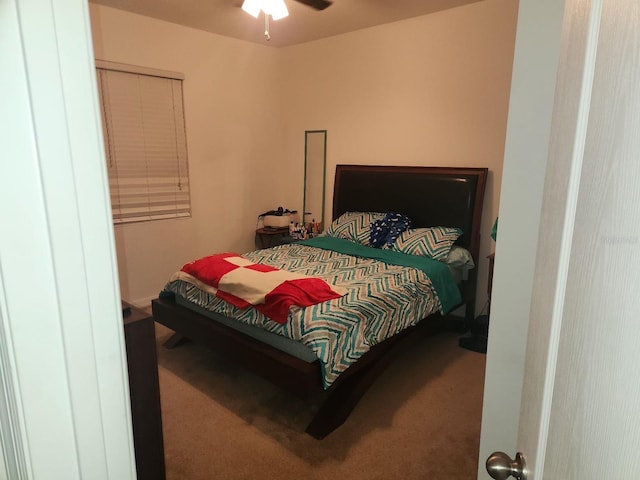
(175, 340)
(342, 400)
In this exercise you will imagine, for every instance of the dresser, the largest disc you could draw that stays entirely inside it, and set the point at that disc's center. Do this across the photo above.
(144, 390)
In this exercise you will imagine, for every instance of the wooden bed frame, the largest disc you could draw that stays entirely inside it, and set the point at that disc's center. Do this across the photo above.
(430, 196)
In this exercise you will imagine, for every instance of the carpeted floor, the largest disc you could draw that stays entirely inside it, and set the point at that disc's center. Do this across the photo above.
(420, 420)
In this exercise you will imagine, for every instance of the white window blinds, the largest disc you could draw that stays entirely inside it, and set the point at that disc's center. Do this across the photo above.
(145, 144)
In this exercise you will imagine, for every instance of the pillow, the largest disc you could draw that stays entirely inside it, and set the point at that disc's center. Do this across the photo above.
(354, 226)
(434, 242)
(386, 231)
(459, 257)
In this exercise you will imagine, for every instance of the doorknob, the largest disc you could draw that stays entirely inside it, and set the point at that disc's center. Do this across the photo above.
(500, 466)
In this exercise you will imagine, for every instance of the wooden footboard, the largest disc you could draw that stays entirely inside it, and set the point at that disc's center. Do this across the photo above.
(295, 375)
(286, 371)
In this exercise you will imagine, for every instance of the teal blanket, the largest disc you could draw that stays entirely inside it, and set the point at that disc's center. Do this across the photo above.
(439, 273)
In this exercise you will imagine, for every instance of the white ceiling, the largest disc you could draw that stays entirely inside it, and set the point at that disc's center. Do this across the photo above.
(304, 24)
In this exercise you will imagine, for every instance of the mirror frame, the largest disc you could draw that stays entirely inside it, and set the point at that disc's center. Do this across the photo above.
(323, 158)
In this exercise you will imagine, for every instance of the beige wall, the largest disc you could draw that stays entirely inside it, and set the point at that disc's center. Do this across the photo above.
(426, 91)
(433, 90)
(232, 118)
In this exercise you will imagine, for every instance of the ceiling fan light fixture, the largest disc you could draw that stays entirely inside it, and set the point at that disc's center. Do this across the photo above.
(276, 8)
(252, 7)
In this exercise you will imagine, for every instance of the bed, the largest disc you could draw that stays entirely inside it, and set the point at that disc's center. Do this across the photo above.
(429, 196)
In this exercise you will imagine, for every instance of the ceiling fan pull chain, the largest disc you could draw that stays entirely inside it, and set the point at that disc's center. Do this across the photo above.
(266, 26)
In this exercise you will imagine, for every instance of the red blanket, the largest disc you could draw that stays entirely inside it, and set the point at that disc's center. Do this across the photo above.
(244, 283)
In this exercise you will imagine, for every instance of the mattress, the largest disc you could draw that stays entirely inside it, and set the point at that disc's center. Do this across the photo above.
(297, 349)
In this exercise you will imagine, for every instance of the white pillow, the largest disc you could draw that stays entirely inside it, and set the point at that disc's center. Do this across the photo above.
(459, 257)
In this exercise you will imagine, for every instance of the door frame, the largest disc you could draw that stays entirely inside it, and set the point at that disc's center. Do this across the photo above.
(62, 355)
(531, 103)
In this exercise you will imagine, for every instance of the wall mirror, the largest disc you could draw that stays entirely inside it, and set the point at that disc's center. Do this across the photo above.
(315, 159)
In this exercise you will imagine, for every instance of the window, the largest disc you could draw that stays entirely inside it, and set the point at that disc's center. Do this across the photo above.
(145, 142)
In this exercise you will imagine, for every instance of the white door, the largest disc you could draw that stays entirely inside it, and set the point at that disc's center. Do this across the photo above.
(579, 412)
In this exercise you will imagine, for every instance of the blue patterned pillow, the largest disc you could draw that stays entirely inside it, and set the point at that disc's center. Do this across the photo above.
(434, 242)
(384, 232)
(354, 226)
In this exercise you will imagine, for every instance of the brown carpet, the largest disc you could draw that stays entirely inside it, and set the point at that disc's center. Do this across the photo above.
(420, 419)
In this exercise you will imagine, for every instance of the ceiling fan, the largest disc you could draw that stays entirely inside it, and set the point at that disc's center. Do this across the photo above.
(277, 9)
(317, 4)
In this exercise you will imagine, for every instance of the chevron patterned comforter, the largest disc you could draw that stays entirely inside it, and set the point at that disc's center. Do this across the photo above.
(383, 298)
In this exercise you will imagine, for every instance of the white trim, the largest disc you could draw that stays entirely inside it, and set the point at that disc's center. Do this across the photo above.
(65, 366)
(125, 67)
(573, 190)
(13, 458)
(13, 432)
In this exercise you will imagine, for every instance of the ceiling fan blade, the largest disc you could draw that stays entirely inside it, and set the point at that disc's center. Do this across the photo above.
(317, 4)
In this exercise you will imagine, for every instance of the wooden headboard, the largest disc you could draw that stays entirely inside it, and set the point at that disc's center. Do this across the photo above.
(430, 196)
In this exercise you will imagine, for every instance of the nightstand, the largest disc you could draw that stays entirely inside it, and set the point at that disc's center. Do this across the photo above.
(490, 281)
(270, 237)
(477, 339)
